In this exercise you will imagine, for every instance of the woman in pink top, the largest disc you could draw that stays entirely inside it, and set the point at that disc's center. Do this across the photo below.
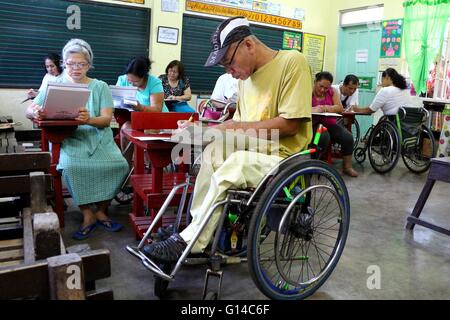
(325, 99)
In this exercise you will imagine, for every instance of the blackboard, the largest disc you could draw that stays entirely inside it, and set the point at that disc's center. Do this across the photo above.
(196, 46)
(29, 29)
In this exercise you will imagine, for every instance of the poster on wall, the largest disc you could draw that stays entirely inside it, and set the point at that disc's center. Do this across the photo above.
(133, 1)
(391, 38)
(292, 40)
(314, 51)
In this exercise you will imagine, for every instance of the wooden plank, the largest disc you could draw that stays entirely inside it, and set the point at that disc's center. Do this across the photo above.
(28, 239)
(15, 281)
(66, 277)
(20, 184)
(9, 220)
(47, 238)
(37, 192)
(33, 161)
(11, 255)
(10, 263)
(11, 244)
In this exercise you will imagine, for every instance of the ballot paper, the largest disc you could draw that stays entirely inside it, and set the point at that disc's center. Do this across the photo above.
(64, 100)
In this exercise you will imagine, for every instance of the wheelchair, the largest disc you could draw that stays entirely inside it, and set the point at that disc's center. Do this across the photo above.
(291, 230)
(402, 134)
(215, 111)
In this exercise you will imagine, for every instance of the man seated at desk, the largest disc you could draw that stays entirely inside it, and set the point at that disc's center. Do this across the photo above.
(274, 94)
(348, 91)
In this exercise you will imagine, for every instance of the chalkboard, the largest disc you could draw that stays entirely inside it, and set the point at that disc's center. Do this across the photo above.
(29, 29)
(196, 46)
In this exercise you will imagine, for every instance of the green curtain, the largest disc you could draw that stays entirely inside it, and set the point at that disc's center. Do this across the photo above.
(424, 29)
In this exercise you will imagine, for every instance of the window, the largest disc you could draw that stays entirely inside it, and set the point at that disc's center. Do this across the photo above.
(361, 16)
(438, 84)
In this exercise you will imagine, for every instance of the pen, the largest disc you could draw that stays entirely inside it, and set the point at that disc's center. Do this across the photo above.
(191, 117)
(27, 100)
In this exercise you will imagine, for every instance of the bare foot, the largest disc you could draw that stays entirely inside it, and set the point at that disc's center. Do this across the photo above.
(350, 172)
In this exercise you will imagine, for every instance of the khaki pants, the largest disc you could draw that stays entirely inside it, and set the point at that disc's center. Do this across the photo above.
(218, 173)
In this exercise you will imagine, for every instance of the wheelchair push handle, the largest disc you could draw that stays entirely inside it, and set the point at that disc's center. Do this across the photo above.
(314, 147)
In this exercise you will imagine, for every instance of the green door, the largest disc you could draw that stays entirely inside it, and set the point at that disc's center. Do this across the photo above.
(358, 54)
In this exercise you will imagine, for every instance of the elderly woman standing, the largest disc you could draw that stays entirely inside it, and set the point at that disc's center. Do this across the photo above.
(92, 165)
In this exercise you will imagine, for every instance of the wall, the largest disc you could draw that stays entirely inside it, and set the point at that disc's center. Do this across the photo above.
(319, 19)
(392, 10)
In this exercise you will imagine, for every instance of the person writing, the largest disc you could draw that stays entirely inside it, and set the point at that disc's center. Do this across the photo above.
(274, 94)
(348, 91)
(325, 99)
(52, 63)
(92, 165)
(177, 88)
(149, 96)
(393, 95)
(226, 89)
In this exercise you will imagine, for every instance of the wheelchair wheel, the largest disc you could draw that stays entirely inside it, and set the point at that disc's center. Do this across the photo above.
(360, 155)
(384, 147)
(161, 285)
(295, 242)
(125, 195)
(418, 151)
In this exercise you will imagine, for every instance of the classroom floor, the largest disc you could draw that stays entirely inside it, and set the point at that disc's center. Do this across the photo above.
(412, 265)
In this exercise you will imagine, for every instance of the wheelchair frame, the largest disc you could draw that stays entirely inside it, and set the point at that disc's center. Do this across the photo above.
(248, 200)
(400, 143)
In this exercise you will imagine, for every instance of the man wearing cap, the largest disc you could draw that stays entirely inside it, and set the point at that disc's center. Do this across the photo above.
(274, 94)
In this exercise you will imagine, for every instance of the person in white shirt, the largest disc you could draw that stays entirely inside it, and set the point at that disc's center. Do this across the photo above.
(391, 97)
(348, 91)
(226, 88)
(54, 70)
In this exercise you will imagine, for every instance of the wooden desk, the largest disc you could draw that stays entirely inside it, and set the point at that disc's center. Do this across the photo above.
(56, 131)
(152, 189)
(439, 171)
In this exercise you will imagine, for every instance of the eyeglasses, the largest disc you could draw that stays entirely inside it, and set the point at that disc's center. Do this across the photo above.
(228, 64)
(76, 65)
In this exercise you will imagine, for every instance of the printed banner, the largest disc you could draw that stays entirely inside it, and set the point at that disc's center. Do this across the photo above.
(292, 40)
(314, 51)
(365, 83)
(391, 38)
(250, 15)
(133, 1)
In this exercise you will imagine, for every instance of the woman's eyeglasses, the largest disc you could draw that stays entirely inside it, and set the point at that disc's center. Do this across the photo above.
(76, 65)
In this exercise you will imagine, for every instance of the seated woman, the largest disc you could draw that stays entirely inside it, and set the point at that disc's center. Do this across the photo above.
(391, 97)
(325, 99)
(52, 63)
(150, 93)
(92, 165)
(177, 89)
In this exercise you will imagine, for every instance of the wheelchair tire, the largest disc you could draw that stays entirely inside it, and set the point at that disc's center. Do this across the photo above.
(413, 156)
(360, 155)
(384, 147)
(265, 272)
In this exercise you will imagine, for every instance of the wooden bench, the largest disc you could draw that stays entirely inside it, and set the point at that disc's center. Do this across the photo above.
(439, 171)
(38, 256)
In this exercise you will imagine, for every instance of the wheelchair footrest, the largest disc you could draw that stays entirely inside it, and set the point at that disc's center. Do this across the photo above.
(148, 263)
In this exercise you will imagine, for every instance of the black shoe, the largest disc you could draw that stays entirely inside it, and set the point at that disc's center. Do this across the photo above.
(163, 233)
(167, 251)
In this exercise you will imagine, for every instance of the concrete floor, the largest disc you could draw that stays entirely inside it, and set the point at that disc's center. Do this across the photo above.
(412, 265)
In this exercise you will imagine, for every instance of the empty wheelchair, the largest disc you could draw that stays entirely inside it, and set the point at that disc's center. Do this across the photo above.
(291, 229)
(403, 134)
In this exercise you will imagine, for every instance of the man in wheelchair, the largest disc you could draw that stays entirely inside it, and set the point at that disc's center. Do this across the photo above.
(274, 94)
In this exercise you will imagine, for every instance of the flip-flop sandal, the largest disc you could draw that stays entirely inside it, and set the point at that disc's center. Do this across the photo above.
(109, 225)
(84, 233)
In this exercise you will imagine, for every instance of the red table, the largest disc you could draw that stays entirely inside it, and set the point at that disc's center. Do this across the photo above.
(152, 189)
(56, 131)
